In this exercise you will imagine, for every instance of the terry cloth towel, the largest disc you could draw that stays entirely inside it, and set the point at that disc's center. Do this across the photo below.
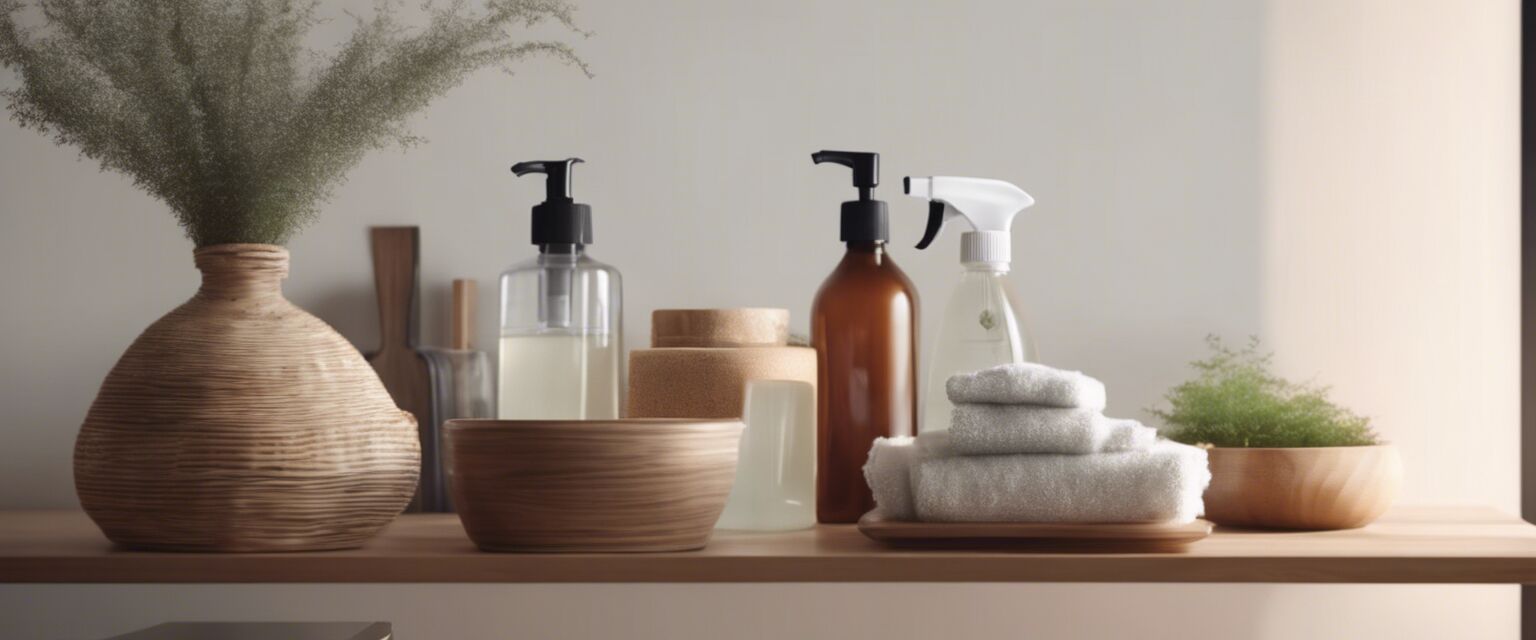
(990, 429)
(1027, 383)
(888, 471)
(1161, 484)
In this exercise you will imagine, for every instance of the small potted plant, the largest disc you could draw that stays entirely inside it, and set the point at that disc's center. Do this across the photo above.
(1281, 454)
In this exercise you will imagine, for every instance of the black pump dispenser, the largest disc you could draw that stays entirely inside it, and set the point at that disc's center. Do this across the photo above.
(865, 220)
(559, 220)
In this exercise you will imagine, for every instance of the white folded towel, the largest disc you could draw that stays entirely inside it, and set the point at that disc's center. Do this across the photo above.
(1161, 484)
(888, 470)
(990, 429)
(1027, 383)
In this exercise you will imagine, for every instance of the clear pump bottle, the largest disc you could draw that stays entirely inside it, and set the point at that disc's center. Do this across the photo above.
(562, 352)
(983, 324)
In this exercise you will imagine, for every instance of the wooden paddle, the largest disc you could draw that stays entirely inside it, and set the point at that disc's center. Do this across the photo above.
(406, 373)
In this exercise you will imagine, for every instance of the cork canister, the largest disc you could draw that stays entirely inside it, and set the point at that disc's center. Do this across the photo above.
(708, 383)
(719, 328)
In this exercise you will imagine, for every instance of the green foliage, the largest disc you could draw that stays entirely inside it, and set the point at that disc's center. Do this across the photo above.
(214, 107)
(1236, 401)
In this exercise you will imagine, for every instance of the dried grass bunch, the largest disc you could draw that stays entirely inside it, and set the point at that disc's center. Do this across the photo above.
(217, 108)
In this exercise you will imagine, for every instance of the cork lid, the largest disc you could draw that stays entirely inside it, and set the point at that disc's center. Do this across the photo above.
(719, 328)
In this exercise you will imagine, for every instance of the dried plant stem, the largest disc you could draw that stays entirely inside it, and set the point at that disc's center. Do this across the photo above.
(210, 106)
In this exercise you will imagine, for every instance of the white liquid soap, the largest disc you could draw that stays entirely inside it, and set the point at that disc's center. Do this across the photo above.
(559, 377)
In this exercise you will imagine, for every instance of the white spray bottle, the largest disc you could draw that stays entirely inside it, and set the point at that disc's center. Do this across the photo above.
(982, 325)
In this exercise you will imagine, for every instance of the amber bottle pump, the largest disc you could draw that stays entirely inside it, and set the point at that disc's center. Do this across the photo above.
(864, 328)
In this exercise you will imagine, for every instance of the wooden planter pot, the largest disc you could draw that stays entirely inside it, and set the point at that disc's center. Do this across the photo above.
(239, 422)
(1302, 488)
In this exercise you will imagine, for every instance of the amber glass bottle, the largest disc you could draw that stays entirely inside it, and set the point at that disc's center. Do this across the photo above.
(864, 328)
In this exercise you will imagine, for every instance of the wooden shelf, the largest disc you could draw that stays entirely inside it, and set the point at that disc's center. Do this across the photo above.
(1413, 545)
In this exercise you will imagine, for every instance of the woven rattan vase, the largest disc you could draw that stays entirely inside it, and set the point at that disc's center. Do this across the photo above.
(239, 422)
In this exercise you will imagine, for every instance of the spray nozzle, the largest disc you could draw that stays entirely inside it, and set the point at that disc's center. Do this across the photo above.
(988, 205)
(864, 221)
(559, 220)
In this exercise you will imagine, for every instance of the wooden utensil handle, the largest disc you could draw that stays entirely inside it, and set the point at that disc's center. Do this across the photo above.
(396, 255)
(461, 328)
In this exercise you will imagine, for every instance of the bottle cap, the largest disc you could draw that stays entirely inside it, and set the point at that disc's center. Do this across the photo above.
(559, 219)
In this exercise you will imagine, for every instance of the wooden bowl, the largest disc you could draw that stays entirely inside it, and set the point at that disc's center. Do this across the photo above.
(612, 485)
(1302, 488)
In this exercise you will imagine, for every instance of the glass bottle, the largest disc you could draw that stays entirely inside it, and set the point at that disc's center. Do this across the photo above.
(561, 338)
(562, 351)
(864, 328)
(463, 386)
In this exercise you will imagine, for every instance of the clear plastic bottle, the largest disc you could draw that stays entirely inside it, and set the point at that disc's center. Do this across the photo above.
(562, 351)
(982, 326)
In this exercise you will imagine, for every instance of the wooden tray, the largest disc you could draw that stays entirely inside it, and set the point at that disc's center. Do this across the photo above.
(1070, 535)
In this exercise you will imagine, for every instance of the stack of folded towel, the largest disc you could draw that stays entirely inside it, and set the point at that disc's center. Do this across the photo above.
(1029, 443)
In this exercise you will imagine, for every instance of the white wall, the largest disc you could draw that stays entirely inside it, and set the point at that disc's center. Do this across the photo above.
(1338, 177)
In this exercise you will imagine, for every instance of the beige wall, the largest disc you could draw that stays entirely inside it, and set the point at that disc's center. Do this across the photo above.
(1338, 177)
(1391, 228)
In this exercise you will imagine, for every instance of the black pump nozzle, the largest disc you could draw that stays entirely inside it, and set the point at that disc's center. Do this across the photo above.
(558, 185)
(559, 219)
(864, 221)
(865, 165)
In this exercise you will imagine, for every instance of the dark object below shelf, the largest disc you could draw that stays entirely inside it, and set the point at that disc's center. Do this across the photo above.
(262, 631)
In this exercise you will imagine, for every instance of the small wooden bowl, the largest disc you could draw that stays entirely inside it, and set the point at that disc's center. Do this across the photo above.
(596, 486)
(1302, 488)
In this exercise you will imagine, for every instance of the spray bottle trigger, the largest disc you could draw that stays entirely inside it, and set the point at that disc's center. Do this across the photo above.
(936, 218)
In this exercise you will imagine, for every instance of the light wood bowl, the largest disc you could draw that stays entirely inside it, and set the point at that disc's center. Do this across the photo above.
(597, 486)
(1302, 488)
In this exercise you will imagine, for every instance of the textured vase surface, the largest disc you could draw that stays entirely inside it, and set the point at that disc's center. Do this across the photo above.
(240, 422)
